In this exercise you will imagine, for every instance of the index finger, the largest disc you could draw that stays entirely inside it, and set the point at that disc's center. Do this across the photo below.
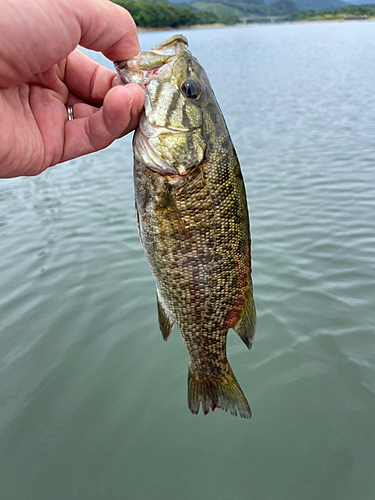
(87, 79)
(108, 28)
(52, 30)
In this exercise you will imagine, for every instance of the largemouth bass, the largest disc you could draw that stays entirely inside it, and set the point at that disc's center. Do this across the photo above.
(192, 218)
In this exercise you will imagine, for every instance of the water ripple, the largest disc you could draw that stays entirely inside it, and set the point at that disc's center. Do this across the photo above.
(85, 376)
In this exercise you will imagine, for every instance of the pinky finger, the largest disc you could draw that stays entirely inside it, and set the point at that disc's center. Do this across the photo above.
(118, 116)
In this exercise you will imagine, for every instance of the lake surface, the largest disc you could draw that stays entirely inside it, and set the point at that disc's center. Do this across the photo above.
(93, 403)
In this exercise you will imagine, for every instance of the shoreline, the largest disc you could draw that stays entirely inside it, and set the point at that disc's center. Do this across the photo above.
(338, 20)
(141, 29)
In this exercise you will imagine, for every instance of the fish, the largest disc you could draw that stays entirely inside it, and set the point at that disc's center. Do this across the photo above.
(192, 218)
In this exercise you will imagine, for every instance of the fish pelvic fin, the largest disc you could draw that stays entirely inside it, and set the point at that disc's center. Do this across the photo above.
(225, 394)
(245, 326)
(165, 320)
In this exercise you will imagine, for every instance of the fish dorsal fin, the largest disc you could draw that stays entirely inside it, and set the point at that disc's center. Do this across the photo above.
(245, 326)
(165, 320)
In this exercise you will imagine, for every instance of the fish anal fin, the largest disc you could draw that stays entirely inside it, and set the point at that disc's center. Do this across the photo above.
(245, 326)
(165, 321)
(225, 394)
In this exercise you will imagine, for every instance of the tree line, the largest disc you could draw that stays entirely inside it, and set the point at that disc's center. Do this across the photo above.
(343, 12)
(154, 14)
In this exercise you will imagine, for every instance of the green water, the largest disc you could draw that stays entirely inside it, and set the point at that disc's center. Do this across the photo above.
(93, 403)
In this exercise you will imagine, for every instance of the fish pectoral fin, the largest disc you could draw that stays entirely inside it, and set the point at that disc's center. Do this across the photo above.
(245, 326)
(225, 394)
(138, 223)
(177, 212)
(165, 320)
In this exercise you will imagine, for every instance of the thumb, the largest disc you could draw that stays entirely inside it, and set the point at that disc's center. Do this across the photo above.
(118, 116)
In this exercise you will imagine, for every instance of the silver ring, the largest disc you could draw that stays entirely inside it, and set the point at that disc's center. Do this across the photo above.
(70, 112)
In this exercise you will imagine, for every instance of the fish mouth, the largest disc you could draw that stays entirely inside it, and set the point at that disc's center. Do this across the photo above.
(156, 64)
(153, 64)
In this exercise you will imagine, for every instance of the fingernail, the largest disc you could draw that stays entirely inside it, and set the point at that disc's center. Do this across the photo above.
(117, 81)
(130, 103)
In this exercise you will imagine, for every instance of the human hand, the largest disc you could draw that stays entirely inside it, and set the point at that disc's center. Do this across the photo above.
(41, 72)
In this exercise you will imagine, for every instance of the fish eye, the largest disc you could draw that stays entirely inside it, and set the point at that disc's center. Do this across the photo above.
(190, 89)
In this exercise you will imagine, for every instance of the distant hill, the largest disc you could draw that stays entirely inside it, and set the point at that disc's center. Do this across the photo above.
(245, 8)
(282, 8)
(355, 2)
(238, 9)
(319, 4)
(350, 11)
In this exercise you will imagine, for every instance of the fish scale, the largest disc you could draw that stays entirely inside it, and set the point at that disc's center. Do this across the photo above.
(193, 219)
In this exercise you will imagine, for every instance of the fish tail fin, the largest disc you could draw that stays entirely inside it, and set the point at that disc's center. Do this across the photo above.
(225, 394)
